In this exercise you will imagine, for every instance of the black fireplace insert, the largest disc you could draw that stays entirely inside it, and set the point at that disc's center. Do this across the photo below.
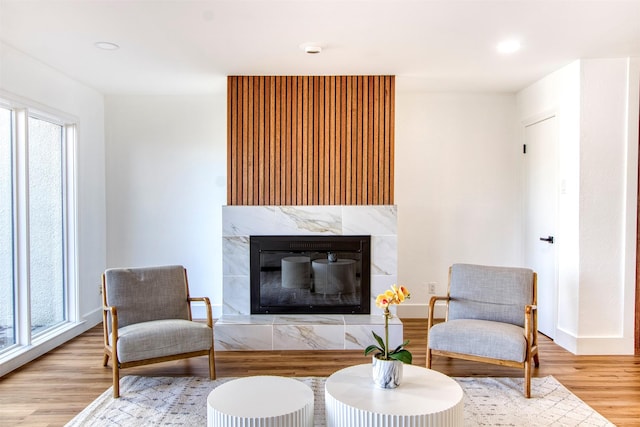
(310, 274)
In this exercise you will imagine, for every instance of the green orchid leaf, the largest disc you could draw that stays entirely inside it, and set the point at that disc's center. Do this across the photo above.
(372, 348)
(400, 346)
(380, 341)
(403, 355)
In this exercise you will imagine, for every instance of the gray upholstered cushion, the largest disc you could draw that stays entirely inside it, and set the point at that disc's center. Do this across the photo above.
(480, 338)
(490, 293)
(145, 294)
(161, 338)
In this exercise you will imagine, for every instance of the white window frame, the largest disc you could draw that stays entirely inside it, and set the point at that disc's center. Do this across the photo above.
(26, 346)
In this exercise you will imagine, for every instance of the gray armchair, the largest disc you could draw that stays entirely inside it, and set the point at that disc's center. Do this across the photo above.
(147, 319)
(491, 317)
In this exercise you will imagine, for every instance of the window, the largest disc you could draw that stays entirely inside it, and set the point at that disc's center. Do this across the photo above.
(7, 327)
(36, 225)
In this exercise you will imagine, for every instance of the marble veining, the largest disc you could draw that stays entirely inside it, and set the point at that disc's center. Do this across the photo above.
(308, 337)
(301, 220)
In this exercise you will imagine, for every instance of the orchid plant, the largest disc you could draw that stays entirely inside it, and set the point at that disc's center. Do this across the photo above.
(395, 295)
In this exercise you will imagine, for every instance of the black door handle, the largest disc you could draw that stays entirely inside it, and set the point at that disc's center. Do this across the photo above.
(547, 239)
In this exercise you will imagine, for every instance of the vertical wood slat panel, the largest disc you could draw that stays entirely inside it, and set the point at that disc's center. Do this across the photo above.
(331, 173)
(272, 141)
(255, 161)
(376, 140)
(392, 139)
(319, 147)
(310, 140)
(278, 173)
(300, 126)
(231, 142)
(242, 181)
(292, 131)
(287, 138)
(346, 162)
(307, 100)
(314, 152)
(325, 156)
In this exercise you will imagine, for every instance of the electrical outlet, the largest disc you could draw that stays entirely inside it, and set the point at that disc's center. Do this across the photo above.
(432, 288)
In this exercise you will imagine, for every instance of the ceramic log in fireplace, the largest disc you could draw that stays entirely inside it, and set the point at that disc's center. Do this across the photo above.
(310, 274)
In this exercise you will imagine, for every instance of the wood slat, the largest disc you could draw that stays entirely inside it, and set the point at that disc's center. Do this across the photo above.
(231, 142)
(261, 146)
(272, 141)
(308, 108)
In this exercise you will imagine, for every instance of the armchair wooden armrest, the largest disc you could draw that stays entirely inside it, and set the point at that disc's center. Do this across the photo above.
(110, 350)
(432, 305)
(207, 304)
(530, 330)
(530, 312)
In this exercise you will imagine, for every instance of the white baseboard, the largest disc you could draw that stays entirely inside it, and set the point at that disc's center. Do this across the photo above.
(594, 346)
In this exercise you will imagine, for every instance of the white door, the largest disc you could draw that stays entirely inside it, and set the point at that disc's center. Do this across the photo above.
(541, 195)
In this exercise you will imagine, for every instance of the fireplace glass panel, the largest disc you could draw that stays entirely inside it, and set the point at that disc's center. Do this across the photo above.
(310, 274)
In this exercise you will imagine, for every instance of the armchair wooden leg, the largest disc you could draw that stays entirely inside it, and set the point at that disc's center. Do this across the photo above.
(536, 360)
(116, 380)
(527, 378)
(105, 360)
(429, 358)
(212, 364)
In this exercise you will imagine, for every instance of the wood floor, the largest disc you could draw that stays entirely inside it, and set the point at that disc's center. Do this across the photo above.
(54, 388)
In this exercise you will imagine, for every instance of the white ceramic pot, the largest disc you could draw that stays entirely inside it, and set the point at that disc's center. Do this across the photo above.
(386, 373)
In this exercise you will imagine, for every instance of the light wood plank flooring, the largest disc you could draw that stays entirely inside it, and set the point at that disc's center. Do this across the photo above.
(54, 388)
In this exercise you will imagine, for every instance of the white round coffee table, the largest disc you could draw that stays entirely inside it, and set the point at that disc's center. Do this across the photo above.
(261, 401)
(424, 398)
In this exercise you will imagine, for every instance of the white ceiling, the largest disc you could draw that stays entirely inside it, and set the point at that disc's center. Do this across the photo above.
(184, 46)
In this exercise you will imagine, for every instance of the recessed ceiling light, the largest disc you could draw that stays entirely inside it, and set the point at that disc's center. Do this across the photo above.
(311, 48)
(106, 46)
(508, 46)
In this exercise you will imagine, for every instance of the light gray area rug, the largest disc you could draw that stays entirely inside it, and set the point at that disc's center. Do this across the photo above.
(182, 401)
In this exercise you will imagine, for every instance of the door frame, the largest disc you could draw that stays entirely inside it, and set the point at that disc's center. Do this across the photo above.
(637, 320)
(528, 122)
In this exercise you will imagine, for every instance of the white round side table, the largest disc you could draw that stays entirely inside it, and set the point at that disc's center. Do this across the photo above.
(261, 401)
(424, 398)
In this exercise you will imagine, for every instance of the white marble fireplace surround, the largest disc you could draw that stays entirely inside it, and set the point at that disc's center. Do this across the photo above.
(237, 329)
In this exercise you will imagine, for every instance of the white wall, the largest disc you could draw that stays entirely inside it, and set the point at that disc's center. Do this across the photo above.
(597, 106)
(458, 186)
(39, 85)
(166, 169)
